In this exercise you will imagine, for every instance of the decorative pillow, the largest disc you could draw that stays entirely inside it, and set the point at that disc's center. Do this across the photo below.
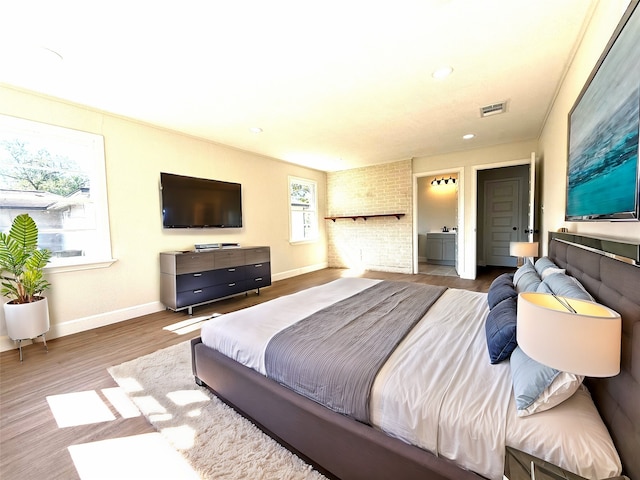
(524, 269)
(550, 271)
(528, 282)
(501, 288)
(566, 286)
(536, 387)
(544, 288)
(526, 279)
(543, 263)
(500, 329)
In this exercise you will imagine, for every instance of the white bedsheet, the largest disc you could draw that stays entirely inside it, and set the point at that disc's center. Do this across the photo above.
(438, 390)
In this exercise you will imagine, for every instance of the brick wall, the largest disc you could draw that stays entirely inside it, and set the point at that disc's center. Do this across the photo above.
(383, 244)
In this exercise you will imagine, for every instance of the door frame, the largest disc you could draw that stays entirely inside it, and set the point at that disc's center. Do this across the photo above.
(461, 230)
(473, 235)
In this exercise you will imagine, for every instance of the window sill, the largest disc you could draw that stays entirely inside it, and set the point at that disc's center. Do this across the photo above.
(84, 264)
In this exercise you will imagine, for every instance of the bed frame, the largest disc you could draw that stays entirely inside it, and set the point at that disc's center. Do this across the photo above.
(343, 448)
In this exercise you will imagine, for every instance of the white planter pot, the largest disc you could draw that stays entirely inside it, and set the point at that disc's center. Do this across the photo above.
(27, 320)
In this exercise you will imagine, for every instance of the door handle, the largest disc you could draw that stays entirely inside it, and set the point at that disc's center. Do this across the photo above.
(515, 228)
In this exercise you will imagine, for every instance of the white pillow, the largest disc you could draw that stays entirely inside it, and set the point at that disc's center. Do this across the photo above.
(550, 271)
(537, 387)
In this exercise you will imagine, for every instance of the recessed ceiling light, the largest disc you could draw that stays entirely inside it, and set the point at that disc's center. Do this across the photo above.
(255, 130)
(468, 136)
(442, 72)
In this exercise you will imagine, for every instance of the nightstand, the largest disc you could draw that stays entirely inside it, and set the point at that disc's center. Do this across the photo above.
(522, 466)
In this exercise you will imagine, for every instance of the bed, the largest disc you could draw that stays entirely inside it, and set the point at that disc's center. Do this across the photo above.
(341, 445)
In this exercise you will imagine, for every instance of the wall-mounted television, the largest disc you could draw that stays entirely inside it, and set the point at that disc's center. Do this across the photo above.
(603, 171)
(190, 202)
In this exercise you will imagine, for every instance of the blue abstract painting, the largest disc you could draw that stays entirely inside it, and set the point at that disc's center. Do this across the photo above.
(603, 169)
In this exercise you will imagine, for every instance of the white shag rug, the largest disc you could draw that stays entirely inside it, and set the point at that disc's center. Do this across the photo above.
(216, 441)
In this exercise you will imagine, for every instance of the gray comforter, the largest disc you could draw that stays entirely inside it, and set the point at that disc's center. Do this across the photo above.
(334, 355)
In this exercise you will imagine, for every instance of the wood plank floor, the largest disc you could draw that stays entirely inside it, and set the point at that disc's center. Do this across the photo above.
(31, 443)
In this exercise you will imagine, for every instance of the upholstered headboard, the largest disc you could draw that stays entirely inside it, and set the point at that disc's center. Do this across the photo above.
(616, 284)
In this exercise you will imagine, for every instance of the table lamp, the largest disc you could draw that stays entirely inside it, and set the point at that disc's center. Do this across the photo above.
(570, 335)
(522, 250)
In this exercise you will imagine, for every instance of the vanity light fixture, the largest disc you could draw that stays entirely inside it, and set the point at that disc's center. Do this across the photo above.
(435, 181)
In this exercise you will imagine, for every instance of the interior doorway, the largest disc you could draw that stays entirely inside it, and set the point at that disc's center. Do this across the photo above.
(503, 213)
(437, 223)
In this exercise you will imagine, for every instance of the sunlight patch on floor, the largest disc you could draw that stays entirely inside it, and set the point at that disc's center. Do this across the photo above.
(79, 408)
(187, 397)
(121, 402)
(189, 325)
(147, 456)
(182, 437)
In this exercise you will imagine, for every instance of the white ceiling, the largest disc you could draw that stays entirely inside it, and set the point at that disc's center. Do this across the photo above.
(333, 84)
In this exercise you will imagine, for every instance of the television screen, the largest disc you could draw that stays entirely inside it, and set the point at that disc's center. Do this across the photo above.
(189, 202)
(603, 171)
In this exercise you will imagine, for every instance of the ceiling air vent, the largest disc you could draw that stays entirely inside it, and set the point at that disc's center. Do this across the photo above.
(493, 109)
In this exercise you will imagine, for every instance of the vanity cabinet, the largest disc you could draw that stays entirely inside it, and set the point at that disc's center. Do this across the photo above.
(441, 248)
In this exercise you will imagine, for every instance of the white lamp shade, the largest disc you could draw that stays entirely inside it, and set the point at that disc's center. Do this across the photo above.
(584, 343)
(523, 249)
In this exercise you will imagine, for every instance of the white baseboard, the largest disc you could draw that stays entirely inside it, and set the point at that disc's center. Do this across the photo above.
(87, 323)
(298, 271)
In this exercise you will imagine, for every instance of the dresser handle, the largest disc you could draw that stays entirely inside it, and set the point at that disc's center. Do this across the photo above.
(232, 284)
(197, 274)
(231, 270)
(258, 279)
(197, 291)
(258, 265)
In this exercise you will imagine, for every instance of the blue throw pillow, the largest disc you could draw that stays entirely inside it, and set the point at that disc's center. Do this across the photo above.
(500, 289)
(537, 387)
(524, 269)
(566, 286)
(529, 377)
(500, 329)
(543, 263)
(528, 282)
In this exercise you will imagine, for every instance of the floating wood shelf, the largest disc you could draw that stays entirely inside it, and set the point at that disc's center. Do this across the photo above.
(355, 217)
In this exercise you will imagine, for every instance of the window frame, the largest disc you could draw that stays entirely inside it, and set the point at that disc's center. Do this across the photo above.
(312, 210)
(93, 145)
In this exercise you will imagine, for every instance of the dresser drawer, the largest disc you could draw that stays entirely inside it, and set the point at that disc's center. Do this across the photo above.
(230, 275)
(258, 270)
(194, 262)
(257, 282)
(229, 258)
(192, 281)
(193, 297)
(258, 255)
(230, 288)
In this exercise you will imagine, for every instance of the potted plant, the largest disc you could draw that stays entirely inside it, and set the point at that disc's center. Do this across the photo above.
(21, 266)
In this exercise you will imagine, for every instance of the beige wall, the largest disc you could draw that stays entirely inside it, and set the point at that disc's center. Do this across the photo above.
(383, 244)
(553, 141)
(135, 154)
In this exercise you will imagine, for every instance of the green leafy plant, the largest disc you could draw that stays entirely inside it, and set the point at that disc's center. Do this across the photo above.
(22, 262)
